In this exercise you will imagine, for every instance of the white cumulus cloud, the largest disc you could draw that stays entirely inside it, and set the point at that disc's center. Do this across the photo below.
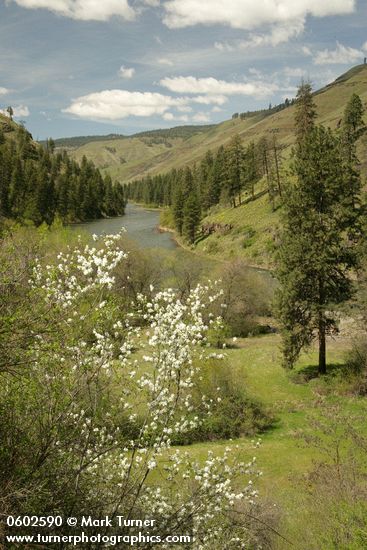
(152, 3)
(294, 72)
(306, 51)
(184, 108)
(21, 110)
(201, 117)
(179, 118)
(4, 91)
(165, 61)
(342, 55)
(118, 104)
(247, 14)
(86, 10)
(278, 34)
(213, 87)
(126, 72)
(210, 99)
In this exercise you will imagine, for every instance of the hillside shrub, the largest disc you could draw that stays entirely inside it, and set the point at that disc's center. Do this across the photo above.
(332, 497)
(92, 396)
(224, 409)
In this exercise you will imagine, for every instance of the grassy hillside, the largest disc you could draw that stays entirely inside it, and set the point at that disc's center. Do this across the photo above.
(143, 155)
(6, 125)
(122, 158)
(253, 225)
(177, 131)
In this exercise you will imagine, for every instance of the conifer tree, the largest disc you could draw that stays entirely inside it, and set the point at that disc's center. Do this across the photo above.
(109, 198)
(251, 168)
(217, 176)
(267, 168)
(305, 111)
(187, 182)
(63, 196)
(35, 184)
(205, 174)
(44, 198)
(191, 217)
(315, 255)
(4, 186)
(235, 166)
(10, 112)
(178, 209)
(352, 124)
(17, 190)
(353, 116)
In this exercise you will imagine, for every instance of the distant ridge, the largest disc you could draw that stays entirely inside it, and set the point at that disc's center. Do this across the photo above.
(157, 151)
(177, 131)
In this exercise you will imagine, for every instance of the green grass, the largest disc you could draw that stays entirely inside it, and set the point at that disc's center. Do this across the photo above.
(281, 457)
(253, 227)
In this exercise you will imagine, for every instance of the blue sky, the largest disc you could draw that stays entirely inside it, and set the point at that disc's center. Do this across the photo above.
(78, 67)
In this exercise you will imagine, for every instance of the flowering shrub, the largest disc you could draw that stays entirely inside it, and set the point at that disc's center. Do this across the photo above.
(93, 418)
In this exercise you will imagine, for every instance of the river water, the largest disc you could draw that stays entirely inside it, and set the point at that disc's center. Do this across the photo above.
(140, 223)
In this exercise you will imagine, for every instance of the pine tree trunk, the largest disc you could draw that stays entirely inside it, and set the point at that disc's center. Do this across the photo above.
(277, 169)
(322, 329)
(322, 348)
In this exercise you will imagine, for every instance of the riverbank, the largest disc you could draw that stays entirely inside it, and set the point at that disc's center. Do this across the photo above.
(202, 254)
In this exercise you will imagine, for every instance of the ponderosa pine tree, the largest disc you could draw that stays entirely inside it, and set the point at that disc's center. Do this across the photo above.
(205, 173)
(235, 170)
(353, 116)
(191, 217)
(187, 182)
(349, 133)
(17, 190)
(305, 111)
(315, 255)
(217, 176)
(267, 169)
(178, 209)
(10, 112)
(4, 186)
(251, 168)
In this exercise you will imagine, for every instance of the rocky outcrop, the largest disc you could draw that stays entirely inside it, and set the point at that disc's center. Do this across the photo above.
(210, 228)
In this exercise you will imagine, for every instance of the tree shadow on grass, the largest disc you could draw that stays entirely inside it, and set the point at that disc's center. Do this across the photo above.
(309, 372)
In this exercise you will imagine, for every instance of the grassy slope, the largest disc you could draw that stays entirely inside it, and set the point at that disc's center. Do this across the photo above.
(257, 215)
(6, 124)
(281, 457)
(254, 225)
(122, 158)
(330, 102)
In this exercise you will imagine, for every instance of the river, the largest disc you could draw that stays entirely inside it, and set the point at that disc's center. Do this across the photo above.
(140, 223)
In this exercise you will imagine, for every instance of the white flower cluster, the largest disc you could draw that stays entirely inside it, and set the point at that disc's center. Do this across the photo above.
(150, 394)
(79, 271)
(215, 496)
